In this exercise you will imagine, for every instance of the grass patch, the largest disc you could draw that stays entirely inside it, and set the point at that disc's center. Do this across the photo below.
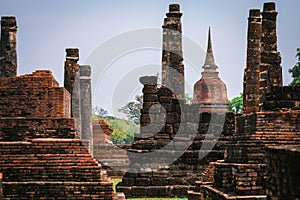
(115, 182)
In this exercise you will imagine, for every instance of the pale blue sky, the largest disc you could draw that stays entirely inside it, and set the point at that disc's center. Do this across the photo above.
(47, 27)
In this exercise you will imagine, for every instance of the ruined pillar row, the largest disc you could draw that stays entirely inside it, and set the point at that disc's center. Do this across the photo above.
(8, 47)
(251, 98)
(172, 66)
(270, 68)
(86, 105)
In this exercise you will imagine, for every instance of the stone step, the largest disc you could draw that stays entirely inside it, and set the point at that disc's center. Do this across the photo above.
(192, 195)
(55, 173)
(58, 190)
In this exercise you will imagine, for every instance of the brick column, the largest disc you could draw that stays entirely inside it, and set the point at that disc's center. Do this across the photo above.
(172, 67)
(270, 69)
(71, 83)
(251, 92)
(8, 47)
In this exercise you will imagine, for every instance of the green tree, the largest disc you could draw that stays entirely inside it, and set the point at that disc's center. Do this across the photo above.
(99, 111)
(236, 104)
(295, 71)
(188, 99)
(123, 130)
(133, 109)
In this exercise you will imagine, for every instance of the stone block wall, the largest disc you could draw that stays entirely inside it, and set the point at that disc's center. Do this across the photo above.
(283, 175)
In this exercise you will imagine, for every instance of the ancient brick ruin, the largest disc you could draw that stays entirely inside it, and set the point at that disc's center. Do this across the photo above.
(177, 142)
(41, 154)
(219, 162)
(8, 47)
(270, 118)
(198, 150)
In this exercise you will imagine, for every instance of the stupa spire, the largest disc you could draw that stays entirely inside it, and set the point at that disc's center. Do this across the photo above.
(209, 64)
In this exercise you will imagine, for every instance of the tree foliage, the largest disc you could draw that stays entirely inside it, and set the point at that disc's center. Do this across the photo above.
(133, 109)
(236, 104)
(295, 70)
(123, 130)
(99, 111)
(188, 99)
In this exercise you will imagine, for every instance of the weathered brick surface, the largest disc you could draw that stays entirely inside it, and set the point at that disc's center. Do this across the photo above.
(243, 173)
(63, 165)
(241, 179)
(282, 98)
(39, 155)
(8, 47)
(172, 65)
(101, 133)
(251, 91)
(34, 95)
(113, 158)
(283, 175)
(192, 161)
(18, 129)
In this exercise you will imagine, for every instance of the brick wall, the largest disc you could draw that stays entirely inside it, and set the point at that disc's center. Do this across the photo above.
(283, 174)
(282, 98)
(34, 95)
(18, 129)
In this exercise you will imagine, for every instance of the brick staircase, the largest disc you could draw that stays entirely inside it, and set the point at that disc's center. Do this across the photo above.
(41, 156)
(52, 169)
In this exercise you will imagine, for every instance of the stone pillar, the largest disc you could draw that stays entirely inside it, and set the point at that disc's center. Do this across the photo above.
(71, 83)
(8, 47)
(71, 68)
(270, 69)
(149, 99)
(172, 67)
(86, 104)
(251, 92)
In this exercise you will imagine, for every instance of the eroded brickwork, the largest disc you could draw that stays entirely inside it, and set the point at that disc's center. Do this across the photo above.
(271, 117)
(175, 128)
(71, 83)
(283, 175)
(251, 92)
(41, 155)
(172, 66)
(8, 47)
(270, 69)
(101, 133)
(33, 95)
(176, 143)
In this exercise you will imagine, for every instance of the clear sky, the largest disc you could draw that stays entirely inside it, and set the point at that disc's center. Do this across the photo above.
(47, 27)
